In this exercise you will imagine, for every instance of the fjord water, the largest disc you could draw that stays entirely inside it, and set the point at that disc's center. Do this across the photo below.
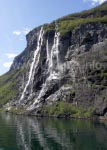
(30, 133)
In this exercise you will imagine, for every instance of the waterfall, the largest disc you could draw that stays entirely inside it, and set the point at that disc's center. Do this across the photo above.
(51, 68)
(57, 49)
(34, 62)
(54, 57)
(47, 51)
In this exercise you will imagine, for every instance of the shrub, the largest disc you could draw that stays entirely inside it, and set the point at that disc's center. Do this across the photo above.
(65, 108)
(8, 84)
(68, 25)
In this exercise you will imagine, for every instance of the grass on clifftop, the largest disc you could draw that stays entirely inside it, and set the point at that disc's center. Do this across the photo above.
(69, 25)
(72, 21)
(91, 13)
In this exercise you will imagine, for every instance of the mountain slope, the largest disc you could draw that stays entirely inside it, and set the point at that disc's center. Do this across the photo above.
(63, 69)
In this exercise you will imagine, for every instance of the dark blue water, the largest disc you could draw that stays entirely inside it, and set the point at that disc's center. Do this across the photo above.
(30, 133)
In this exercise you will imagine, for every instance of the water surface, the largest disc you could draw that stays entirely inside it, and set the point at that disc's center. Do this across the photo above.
(30, 133)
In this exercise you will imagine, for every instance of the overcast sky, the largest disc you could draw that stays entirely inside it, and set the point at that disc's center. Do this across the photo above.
(18, 17)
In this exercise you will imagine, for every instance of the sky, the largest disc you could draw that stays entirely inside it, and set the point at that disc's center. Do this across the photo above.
(18, 17)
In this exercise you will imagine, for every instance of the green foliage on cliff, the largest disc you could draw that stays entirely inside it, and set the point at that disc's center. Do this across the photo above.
(70, 22)
(8, 84)
(68, 25)
(7, 87)
(92, 13)
(65, 108)
(49, 27)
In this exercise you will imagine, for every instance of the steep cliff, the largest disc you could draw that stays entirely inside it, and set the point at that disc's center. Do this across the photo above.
(63, 69)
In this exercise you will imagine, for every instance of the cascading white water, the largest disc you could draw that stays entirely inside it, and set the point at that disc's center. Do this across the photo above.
(57, 49)
(54, 55)
(34, 62)
(47, 51)
(51, 67)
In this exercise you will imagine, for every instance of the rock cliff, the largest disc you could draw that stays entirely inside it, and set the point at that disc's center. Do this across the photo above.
(64, 63)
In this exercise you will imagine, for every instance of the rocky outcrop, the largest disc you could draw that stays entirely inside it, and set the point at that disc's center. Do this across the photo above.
(69, 67)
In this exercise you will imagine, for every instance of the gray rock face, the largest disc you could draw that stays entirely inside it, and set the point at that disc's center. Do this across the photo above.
(70, 68)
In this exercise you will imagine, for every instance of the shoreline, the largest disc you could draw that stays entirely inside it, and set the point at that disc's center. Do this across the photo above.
(94, 118)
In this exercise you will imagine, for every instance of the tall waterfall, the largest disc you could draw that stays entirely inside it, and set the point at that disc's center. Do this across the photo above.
(54, 61)
(53, 64)
(34, 62)
(47, 51)
(53, 56)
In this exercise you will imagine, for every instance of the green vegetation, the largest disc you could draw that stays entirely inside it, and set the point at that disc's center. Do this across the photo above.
(8, 82)
(73, 92)
(92, 13)
(72, 21)
(95, 67)
(7, 87)
(49, 27)
(18, 110)
(65, 108)
(68, 25)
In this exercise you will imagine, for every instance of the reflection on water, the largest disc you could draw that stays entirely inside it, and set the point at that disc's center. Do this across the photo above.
(30, 133)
